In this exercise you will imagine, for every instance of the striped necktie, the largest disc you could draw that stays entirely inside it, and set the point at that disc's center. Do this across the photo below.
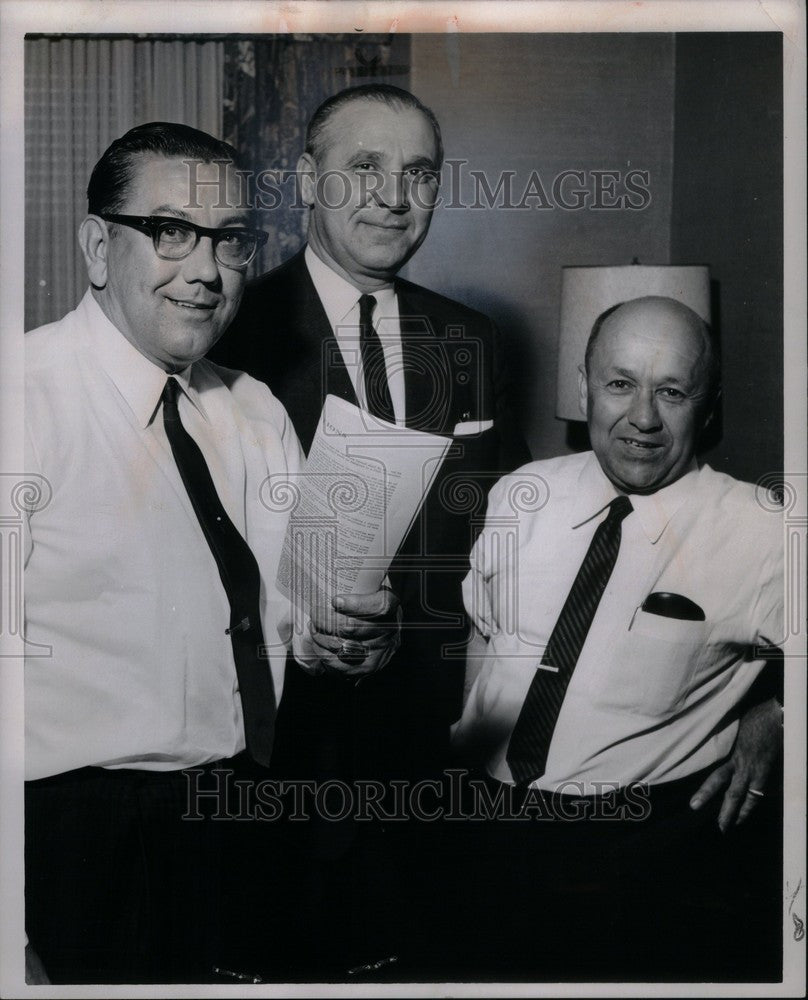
(530, 740)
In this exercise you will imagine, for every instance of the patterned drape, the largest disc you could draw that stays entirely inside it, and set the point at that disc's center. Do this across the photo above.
(258, 93)
(80, 94)
(273, 83)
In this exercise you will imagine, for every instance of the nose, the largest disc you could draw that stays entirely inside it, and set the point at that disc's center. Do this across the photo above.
(200, 264)
(644, 414)
(392, 191)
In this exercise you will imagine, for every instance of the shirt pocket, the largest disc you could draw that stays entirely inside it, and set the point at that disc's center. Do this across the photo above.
(656, 660)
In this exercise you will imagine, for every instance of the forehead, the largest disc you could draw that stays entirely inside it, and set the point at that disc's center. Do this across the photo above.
(651, 336)
(182, 186)
(378, 127)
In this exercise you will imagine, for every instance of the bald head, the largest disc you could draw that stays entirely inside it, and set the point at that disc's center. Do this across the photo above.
(660, 307)
(649, 382)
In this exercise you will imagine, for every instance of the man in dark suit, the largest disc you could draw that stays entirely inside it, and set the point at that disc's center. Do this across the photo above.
(337, 319)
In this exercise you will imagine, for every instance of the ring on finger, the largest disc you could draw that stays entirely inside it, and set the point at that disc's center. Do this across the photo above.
(351, 653)
(756, 792)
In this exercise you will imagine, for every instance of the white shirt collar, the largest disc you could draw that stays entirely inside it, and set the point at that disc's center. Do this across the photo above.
(595, 491)
(339, 297)
(139, 381)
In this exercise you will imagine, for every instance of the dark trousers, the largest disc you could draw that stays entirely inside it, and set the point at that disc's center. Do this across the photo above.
(119, 887)
(584, 892)
(342, 888)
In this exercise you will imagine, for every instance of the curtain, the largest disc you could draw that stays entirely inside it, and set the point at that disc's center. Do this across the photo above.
(80, 94)
(273, 84)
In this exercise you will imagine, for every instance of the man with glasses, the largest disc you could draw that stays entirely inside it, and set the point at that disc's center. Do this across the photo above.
(157, 639)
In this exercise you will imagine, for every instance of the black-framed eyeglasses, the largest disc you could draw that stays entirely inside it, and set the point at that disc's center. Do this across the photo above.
(174, 239)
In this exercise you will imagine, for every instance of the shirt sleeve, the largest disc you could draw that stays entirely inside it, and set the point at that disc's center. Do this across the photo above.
(34, 475)
(477, 596)
(294, 625)
(768, 612)
(295, 459)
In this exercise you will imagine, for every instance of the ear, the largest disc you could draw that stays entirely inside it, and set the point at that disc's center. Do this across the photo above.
(94, 243)
(583, 387)
(307, 178)
(711, 412)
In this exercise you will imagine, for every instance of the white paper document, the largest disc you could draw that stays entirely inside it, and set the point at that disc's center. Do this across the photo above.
(361, 489)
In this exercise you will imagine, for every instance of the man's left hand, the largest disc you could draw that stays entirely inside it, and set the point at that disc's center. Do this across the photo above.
(745, 774)
(367, 624)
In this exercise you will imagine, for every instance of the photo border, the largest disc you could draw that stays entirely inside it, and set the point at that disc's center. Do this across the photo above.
(139, 16)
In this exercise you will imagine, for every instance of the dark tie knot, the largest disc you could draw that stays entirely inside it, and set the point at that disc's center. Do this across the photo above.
(171, 391)
(366, 306)
(619, 508)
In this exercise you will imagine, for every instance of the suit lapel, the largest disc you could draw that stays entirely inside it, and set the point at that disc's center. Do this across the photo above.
(427, 372)
(428, 375)
(315, 366)
(321, 344)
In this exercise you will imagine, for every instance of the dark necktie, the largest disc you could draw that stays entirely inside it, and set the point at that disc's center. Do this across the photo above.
(377, 390)
(530, 740)
(240, 576)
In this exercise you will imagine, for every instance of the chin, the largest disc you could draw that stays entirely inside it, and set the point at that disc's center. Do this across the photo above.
(635, 480)
(187, 349)
(385, 263)
(644, 486)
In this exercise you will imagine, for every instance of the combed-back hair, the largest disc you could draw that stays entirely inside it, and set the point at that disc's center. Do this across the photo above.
(384, 93)
(111, 176)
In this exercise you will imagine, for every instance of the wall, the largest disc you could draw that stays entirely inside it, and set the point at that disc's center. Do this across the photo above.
(548, 103)
(700, 113)
(81, 93)
(728, 211)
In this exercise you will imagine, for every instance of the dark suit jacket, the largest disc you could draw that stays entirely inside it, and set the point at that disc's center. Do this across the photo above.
(452, 376)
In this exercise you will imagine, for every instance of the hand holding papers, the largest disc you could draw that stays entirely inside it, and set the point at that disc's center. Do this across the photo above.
(362, 487)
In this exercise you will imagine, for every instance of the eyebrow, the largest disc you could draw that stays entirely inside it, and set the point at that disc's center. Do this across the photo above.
(376, 156)
(666, 380)
(231, 220)
(365, 154)
(422, 161)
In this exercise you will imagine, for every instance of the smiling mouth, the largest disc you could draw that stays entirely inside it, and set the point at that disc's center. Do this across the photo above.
(193, 306)
(381, 225)
(640, 446)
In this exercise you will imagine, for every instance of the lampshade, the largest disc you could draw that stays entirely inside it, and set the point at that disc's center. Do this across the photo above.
(586, 292)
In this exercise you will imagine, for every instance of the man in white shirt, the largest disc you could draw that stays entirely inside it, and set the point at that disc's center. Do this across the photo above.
(158, 641)
(627, 600)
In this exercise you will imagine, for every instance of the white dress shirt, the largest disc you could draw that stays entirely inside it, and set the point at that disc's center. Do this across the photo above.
(120, 582)
(651, 697)
(341, 303)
